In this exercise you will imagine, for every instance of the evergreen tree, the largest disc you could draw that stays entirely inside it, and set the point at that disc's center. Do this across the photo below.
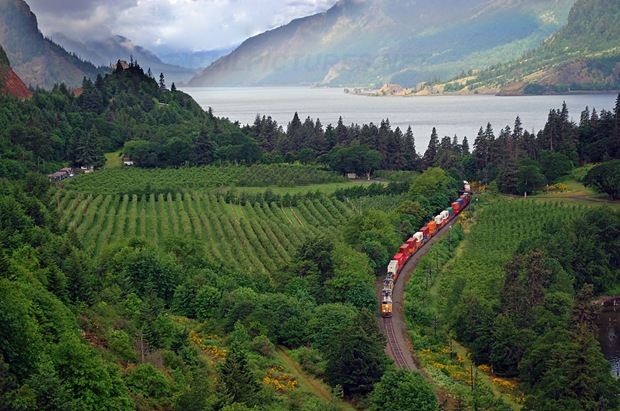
(293, 139)
(412, 159)
(342, 134)
(355, 359)
(87, 150)
(465, 146)
(394, 157)
(205, 148)
(428, 160)
(236, 382)
(162, 82)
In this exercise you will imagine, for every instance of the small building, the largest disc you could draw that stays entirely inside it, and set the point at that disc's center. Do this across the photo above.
(352, 176)
(127, 162)
(60, 175)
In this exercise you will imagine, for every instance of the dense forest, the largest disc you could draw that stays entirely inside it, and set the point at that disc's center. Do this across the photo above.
(167, 286)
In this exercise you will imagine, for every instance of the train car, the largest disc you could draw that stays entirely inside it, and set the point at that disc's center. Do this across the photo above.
(388, 283)
(424, 231)
(440, 221)
(405, 251)
(413, 245)
(432, 228)
(386, 303)
(456, 207)
(393, 270)
(419, 238)
(400, 257)
(445, 216)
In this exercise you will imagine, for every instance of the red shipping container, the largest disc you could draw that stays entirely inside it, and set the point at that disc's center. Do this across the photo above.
(404, 250)
(456, 206)
(424, 231)
(412, 245)
(401, 260)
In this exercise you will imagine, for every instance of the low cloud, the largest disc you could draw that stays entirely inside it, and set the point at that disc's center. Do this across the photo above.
(166, 25)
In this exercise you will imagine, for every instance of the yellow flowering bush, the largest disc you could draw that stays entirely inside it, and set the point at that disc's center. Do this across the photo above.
(281, 381)
(209, 345)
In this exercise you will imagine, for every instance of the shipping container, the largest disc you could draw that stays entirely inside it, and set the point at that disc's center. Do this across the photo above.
(404, 250)
(401, 260)
(393, 269)
(413, 245)
(456, 207)
(424, 231)
(432, 227)
(439, 220)
(419, 237)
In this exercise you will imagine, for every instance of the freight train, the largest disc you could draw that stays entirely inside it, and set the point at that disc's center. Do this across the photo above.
(413, 244)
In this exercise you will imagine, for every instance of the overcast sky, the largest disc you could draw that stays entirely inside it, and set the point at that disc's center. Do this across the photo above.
(165, 25)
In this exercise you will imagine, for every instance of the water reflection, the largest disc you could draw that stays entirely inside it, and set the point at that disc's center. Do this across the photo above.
(608, 332)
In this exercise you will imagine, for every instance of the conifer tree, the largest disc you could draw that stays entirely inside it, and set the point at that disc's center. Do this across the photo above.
(431, 152)
(355, 358)
(236, 382)
(465, 146)
(342, 133)
(412, 158)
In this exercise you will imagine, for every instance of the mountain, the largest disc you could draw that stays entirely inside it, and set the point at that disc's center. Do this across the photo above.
(37, 60)
(108, 51)
(370, 42)
(584, 55)
(194, 59)
(10, 83)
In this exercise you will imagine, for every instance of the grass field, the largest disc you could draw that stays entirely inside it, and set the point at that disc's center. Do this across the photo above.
(114, 160)
(575, 192)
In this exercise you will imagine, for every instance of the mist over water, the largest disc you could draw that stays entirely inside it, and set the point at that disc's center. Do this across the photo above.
(460, 115)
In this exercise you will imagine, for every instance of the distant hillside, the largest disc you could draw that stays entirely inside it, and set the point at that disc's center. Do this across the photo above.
(370, 42)
(37, 61)
(109, 51)
(10, 83)
(584, 55)
(194, 59)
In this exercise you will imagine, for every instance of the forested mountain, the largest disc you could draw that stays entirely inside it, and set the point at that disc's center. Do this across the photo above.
(37, 60)
(160, 126)
(584, 55)
(10, 83)
(105, 52)
(369, 42)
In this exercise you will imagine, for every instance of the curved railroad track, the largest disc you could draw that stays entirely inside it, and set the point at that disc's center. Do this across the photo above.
(393, 345)
(395, 328)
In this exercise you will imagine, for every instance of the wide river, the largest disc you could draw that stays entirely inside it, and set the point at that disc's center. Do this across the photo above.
(460, 115)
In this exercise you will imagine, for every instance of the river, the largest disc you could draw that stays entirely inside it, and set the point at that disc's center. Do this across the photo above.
(451, 115)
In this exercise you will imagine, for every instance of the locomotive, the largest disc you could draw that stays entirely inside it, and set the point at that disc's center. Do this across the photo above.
(413, 244)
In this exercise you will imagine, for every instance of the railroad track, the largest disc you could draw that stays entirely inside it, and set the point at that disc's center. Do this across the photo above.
(394, 346)
(394, 349)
